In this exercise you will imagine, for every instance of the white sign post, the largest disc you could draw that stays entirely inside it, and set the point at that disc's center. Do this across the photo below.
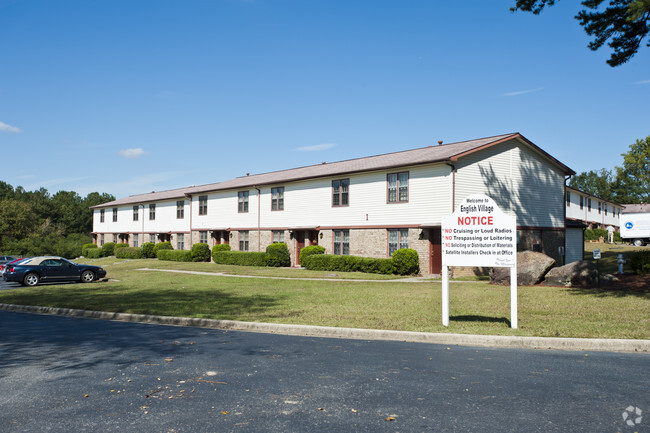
(478, 233)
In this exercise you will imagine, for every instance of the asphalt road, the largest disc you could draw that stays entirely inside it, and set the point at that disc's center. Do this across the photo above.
(61, 374)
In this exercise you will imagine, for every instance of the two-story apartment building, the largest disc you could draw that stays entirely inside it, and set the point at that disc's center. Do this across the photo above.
(368, 206)
(594, 211)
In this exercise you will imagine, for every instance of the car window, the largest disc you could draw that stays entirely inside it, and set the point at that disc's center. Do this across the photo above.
(51, 262)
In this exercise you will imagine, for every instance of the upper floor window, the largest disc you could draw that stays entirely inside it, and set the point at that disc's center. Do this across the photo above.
(398, 187)
(605, 206)
(278, 236)
(342, 242)
(180, 209)
(340, 193)
(582, 202)
(136, 214)
(277, 198)
(242, 201)
(203, 205)
(599, 207)
(114, 214)
(180, 241)
(589, 204)
(101, 215)
(243, 240)
(203, 237)
(152, 211)
(568, 198)
(397, 239)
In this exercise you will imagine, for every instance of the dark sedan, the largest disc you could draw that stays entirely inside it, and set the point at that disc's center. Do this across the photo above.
(34, 270)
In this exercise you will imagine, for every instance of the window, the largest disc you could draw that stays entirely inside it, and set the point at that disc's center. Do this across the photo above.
(152, 238)
(101, 215)
(340, 192)
(397, 239)
(203, 205)
(180, 241)
(599, 207)
(101, 240)
(242, 201)
(589, 204)
(243, 240)
(342, 242)
(135, 240)
(278, 236)
(203, 237)
(114, 238)
(114, 214)
(277, 198)
(152, 211)
(398, 187)
(568, 199)
(180, 209)
(582, 202)
(605, 209)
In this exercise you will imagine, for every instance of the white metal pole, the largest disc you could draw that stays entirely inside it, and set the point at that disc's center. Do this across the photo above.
(445, 296)
(513, 297)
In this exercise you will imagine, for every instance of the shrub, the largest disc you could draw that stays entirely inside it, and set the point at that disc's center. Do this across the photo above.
(86, 247)
(200, 252)
(108, 249)
(128, 253)
(147, 250)
(120, 245)
(595, 234)
(240, 258)
(220, 247)
(93, 253)
(277, 255)
(640, 262)
(162, 246)
(406, 261)
(331, 262)
(310, 250)
(175, 255)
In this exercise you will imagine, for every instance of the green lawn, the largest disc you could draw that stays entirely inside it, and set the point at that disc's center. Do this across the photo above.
(475, 307)
(608, 262)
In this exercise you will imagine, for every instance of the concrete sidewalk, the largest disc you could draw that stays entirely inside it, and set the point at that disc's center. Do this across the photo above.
(515, 342)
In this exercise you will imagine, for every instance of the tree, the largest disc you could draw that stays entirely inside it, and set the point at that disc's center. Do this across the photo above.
(625, 22)
(633, 179)
(16, 219)
(597, 183)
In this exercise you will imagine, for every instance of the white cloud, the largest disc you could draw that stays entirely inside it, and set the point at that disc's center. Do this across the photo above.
(522, 92)
(643, 82)
(316, 147)
(8, 128)
(132, 153)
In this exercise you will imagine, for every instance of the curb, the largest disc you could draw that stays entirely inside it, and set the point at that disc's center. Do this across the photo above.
(501, 341)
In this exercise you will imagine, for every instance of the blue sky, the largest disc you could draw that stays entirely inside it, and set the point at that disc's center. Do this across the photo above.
(127, 97)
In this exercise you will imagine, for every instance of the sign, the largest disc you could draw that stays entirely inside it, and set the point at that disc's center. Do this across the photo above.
(478, 233)
(596, 254)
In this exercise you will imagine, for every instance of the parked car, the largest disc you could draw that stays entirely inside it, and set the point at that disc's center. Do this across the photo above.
(34, 270)
(4, 266)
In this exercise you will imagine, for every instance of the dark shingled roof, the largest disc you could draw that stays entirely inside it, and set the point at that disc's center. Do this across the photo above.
(425, 155)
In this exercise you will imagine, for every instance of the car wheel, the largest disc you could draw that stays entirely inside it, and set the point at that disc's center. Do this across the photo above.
(87, 276)
(638, 242)
(31, 279)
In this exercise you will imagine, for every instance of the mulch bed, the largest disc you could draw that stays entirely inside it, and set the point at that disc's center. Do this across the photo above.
(629, 282)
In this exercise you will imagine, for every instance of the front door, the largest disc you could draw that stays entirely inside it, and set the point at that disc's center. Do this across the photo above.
(435, 251)
(300, 244)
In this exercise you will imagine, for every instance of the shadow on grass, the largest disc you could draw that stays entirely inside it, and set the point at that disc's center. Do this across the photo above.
(482, 319)
(610, 292)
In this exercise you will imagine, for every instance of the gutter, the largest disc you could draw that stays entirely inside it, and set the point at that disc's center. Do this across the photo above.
(259, 218)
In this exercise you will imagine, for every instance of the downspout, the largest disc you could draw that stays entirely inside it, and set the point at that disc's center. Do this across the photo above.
(259, 240)
(190, 197)
(453, 186)
(142, 204)
(564, 207)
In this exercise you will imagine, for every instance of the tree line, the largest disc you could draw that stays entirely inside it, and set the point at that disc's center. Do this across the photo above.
(626, 184)
(39, 223)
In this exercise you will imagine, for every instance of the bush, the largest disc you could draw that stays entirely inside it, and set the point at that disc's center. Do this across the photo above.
(200, 252)
(640, 262)
(128, 253)
(86, 247)
(240, 258)
(310, 250)
(595, 234)
(120, 245)
(406, 261)
(277, 255)
(220, 247)
(331, 262)
(108, 249)
(93, 253)
(162, 246)
(147, 250)
(175, 255)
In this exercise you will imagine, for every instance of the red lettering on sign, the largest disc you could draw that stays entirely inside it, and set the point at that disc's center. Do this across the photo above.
(477, 221)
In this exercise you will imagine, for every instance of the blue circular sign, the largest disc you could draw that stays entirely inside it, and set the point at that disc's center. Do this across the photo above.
(629, 225)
